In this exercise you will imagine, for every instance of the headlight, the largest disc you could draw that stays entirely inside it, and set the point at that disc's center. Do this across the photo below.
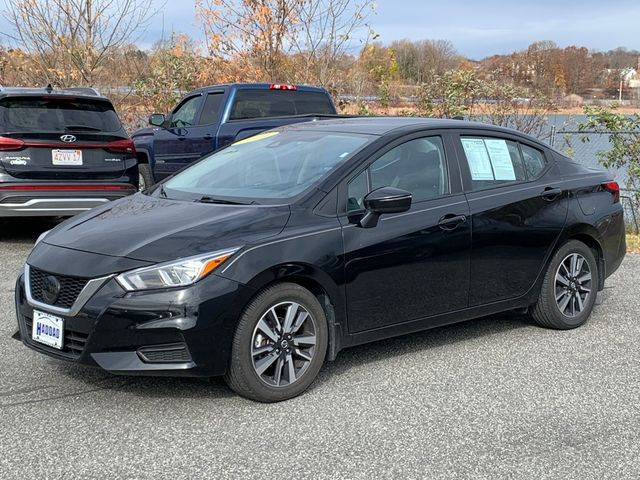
(42, 235)
(178, 273)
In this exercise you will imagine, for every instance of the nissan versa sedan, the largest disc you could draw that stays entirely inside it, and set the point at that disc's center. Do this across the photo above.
(263, 260)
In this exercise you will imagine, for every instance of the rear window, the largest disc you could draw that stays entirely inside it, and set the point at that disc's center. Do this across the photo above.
(57, 115)
(279, 103)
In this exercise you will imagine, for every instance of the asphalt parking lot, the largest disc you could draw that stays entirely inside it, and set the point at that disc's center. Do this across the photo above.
(491, 398)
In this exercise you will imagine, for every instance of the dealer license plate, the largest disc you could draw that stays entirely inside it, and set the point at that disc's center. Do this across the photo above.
(66, 157)
(48, 329)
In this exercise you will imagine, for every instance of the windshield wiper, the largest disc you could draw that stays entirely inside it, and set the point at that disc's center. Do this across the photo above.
(208, 199)
(82, 127)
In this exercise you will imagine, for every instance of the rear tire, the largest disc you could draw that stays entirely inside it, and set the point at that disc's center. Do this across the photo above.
(569, 288)
(145, 175)
(279, 345)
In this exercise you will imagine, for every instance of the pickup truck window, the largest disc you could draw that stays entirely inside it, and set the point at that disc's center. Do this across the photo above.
(185, 114)
(279, 103)
(211, 109)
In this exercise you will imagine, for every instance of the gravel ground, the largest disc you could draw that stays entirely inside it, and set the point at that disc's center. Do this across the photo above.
(491, 398)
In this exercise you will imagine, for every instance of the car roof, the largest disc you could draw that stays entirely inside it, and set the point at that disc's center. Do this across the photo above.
(256, 86)
(385, 125)
(81, 92)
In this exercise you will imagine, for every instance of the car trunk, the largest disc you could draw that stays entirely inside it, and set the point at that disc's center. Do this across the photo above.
(62, 139)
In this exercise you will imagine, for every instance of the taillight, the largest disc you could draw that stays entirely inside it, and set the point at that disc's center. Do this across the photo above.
(7, 144)
(614, 189)
(121, 146)
(282, 86)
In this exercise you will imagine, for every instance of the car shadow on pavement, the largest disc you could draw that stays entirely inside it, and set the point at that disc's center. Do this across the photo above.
(196, 388)
(424, 341)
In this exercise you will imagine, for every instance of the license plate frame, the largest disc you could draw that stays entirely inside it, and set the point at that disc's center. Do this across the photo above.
(66, 157)
(48, 329)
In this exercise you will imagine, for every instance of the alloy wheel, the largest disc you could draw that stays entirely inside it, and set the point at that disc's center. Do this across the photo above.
(573, 285)
(283, 344)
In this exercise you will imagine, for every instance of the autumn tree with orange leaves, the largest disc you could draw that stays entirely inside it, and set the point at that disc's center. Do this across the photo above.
(283, 40)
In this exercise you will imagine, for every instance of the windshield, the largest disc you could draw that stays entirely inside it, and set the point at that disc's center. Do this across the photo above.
(34, 114)
(270, 165)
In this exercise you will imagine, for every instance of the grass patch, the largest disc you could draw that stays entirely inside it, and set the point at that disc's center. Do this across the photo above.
(633, 243)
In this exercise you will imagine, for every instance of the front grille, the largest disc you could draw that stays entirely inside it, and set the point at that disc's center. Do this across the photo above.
(175, 353)
(70, 287)
(74, 341)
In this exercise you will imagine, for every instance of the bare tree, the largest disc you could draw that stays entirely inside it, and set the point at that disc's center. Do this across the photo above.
(326, 32)
(69, 40)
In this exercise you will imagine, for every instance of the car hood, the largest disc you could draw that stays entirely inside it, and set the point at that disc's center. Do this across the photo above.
(150, 229)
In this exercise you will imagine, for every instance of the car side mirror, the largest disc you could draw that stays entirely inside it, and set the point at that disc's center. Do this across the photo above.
(384, 200)
(156, 119)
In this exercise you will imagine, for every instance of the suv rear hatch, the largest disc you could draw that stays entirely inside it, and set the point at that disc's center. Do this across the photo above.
(61, 137)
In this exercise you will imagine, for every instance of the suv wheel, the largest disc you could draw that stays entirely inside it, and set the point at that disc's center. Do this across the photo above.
(569, 288)
(279, 345)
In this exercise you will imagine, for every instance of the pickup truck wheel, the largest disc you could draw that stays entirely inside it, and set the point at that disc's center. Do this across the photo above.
(569, 288)
(145, 179)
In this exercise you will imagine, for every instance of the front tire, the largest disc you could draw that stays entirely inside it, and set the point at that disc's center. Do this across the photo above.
(569, 288)
(279, 345)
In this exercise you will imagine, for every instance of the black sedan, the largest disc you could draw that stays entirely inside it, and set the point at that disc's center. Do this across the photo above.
(268, 257)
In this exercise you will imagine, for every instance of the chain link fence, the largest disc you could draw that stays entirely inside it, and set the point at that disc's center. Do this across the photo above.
(583, 147)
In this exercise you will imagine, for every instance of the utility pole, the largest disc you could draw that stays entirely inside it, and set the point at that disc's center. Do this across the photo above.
(620, 92)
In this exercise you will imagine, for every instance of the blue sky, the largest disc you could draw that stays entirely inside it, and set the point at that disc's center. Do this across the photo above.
(476, 28)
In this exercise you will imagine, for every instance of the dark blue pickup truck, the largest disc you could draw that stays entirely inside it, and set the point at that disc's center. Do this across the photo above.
(211, 117)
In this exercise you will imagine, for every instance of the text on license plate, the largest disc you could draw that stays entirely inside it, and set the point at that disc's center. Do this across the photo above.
(48, 329)
(66, 157)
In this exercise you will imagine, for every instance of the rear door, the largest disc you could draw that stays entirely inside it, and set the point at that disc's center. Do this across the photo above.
(517, 212)
(60, 137)
(412, 265)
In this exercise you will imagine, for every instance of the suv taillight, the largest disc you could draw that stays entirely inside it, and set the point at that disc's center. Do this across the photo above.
(7, 144)
(614, 189)
(121, 146)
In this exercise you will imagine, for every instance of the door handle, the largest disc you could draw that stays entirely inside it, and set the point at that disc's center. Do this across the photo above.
(551, 193)
(451, 221)
(208, 136)
(182, 138)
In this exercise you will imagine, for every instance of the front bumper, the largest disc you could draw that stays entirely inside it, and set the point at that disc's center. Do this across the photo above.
(51, 200)
(184, 332)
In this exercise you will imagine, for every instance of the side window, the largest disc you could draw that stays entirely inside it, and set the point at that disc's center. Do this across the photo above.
(356, 191)
(185, 115)
(211, 109)
(533, 161)
(417, 166)
(492, 161)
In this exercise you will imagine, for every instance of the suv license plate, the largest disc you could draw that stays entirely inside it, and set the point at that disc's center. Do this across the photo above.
(48, 329)
(66, 157)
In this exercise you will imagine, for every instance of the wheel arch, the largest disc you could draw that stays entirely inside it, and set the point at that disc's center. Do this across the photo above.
(588, 235)
(320, 284)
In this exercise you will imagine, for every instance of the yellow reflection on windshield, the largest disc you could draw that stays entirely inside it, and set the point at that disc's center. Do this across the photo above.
(255, 138)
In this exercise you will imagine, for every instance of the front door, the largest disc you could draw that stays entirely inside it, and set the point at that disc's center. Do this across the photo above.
(415, 264)
(172, 148)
